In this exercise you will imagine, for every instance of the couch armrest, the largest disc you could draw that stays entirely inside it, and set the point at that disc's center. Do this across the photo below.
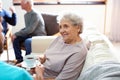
(41, 43)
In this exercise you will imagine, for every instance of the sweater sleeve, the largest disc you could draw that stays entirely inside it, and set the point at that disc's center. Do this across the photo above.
(11, 19)
(30, 28)
(72, 67)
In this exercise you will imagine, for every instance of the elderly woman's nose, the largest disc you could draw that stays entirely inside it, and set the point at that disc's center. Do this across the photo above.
(61, 29)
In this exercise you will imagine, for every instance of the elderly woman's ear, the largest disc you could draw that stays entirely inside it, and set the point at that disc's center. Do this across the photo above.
(79, 29)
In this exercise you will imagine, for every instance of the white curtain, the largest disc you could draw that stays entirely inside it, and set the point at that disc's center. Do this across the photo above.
(114, 33)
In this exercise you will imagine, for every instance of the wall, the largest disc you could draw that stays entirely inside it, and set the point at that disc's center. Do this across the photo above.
(92, 14)
(7, 4)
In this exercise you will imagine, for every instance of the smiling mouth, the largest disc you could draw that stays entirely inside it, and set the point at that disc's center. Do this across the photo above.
(64, 35)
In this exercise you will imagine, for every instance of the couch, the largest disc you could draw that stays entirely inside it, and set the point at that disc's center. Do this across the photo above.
(101, 52)
(101, 62)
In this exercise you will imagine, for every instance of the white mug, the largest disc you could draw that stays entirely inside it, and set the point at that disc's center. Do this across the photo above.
(30, 61)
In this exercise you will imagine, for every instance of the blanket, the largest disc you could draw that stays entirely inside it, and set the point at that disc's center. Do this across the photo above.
(102, 71)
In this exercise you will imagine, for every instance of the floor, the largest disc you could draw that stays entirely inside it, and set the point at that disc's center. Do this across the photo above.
(11, 54)
(12, 57)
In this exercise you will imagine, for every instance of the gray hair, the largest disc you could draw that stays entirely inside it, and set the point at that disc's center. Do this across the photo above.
(74, 19)
(29, 1)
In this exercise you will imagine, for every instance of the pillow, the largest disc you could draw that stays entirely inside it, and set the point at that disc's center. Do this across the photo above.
(51, 24)
(86, 41)
(100, 50)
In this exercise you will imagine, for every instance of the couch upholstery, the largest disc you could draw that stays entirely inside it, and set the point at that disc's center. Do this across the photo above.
(39, 44)
(101, 48)
(51, 24)
(101, 63)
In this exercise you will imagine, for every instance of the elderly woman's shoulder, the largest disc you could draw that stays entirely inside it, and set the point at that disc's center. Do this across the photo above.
(59, 38)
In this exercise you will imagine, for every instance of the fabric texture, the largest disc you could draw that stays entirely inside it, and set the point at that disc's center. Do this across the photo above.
(100, 63)
(27, 45)
(9, 72)
(17, 47)
(34, 25)
(102, 71)
(101, 49)
(51, 24)
(41, 43)
(64, 61)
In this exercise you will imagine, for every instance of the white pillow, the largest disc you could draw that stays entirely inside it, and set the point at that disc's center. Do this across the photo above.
(98, 53)
(100, 50)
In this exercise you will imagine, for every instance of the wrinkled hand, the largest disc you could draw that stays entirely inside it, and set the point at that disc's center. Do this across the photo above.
(12, 9)
(42, 58)
(39, 70)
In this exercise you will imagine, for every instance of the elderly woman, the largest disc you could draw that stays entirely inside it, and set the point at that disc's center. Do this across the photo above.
(65, 57)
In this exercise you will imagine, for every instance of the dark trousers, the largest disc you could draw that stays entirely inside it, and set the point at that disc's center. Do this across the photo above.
(26, 41)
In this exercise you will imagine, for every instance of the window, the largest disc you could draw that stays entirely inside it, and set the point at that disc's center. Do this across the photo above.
(62, 2)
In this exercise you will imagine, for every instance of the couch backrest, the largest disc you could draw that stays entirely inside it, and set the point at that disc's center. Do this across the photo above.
(41, 43)
(51, 24)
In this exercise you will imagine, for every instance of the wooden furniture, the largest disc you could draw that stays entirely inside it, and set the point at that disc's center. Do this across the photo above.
(8, 40)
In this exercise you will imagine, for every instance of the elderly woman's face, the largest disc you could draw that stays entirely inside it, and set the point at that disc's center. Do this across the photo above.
(68, 31)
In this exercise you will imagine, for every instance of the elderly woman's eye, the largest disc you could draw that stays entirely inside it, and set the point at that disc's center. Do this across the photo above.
(66, 26)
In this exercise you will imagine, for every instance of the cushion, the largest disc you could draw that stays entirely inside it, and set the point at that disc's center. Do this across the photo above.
(41, 43)
(51, 24)
(101, 49)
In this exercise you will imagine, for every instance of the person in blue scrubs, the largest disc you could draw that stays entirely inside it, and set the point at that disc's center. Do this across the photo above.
(10, 72)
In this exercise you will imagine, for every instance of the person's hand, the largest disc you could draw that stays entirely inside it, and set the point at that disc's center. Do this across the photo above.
(39, 70)
(13, 37)
(12, 9)
(42, 58)
(19, 65)
(34, 77)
